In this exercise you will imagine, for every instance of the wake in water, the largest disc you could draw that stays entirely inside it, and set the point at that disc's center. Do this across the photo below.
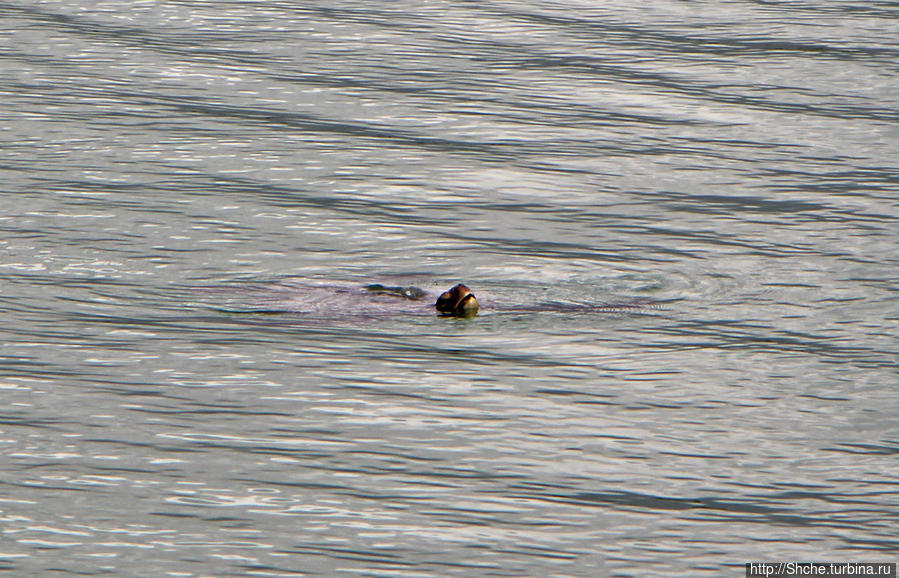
(348, 301)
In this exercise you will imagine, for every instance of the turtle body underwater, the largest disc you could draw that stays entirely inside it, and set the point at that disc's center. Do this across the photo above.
(377, 301)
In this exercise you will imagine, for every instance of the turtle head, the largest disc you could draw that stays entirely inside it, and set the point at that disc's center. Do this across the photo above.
(458, 301)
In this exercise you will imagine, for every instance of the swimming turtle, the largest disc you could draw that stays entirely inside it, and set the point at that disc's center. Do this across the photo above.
(457, 301)
(338, 301)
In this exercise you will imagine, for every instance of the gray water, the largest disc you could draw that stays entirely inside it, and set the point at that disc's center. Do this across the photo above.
(164, 163)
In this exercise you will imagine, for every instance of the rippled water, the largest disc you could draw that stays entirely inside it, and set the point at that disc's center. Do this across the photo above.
(165, 165)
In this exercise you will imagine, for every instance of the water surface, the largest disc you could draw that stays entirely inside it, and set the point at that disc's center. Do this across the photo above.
(733, 161)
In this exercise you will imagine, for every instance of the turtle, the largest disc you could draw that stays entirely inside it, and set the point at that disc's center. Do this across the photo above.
(457, 301)
(377, 300)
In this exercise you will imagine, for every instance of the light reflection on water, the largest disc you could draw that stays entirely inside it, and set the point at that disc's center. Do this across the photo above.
(165, 170)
